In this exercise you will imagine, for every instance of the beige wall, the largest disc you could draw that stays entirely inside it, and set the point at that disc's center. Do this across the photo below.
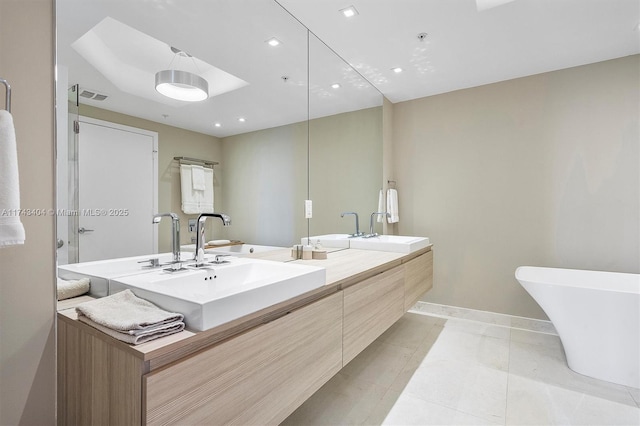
(389, 179)
(265, 181)
(542, 170)
(172, 142)
(27, 335)
(345, 170)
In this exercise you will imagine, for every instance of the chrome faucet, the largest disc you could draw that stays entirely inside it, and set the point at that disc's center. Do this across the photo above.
(199, 256)
(371, 233)
(175, 233)
(357, 233)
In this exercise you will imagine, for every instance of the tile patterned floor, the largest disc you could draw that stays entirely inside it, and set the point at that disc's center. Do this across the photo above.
(435, 369)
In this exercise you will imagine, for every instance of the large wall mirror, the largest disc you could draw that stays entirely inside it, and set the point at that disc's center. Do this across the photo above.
(285, 120)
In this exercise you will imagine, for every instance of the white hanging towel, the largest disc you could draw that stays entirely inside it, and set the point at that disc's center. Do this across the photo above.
(392, 206)
(197, 178)
(207, 202)
(381, 208)
(190, 197)
(11, 229)
(196, 201)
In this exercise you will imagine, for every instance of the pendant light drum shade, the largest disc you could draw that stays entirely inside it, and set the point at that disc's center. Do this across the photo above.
(182, 85)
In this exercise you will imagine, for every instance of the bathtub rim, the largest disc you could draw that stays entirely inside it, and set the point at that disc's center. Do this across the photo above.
(622, 282)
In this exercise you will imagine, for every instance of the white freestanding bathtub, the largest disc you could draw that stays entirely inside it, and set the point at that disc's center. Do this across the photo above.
(597, 316)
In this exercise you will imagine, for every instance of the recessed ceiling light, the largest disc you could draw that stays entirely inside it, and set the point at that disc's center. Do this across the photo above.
(396, 70)
(335, 86)
(273, 42)
(349, 12)
(217, 125)
(242, 119)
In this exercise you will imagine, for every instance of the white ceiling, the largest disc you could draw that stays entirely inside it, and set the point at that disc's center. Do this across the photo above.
(467, 45)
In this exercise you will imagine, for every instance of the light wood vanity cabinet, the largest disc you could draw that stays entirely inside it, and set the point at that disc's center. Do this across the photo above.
(375, 304)
(371, 307)
(418, 278)
(256, 376)
(98, 383)
(259, 377)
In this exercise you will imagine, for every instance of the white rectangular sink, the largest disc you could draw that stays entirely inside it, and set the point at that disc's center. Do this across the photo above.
(391, 243)
(329, 240)
(210, 297)
(101, 271)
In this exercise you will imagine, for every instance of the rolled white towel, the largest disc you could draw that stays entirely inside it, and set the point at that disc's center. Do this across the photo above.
(218, 242)
(68, 289)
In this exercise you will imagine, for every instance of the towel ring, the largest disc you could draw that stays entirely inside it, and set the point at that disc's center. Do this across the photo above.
(7, 86)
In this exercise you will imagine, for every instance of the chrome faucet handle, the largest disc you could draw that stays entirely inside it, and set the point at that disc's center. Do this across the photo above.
(174, 267)
(217, 260)
(154, 262)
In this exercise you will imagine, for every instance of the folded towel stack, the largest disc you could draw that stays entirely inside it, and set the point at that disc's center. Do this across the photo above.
(128, 318)
(68, 289)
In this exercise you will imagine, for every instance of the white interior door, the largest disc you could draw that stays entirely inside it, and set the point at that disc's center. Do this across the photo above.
(117, 190)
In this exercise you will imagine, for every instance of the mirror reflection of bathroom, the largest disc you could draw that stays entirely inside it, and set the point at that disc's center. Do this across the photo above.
(270, 122)
(345, 165)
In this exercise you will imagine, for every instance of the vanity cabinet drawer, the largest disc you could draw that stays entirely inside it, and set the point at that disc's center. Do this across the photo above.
(370, 308)
(259, 377)
(418, 278)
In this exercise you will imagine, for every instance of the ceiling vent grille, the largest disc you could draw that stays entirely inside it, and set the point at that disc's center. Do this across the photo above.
(91, 94)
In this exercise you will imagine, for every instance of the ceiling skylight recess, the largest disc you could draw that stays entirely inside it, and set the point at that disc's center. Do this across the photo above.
(130, 59)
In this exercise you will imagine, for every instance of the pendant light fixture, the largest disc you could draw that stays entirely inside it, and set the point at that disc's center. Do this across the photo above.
(182, 85)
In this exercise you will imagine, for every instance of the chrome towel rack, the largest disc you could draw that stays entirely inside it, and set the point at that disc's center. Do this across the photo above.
(7, 86)
(187, 160)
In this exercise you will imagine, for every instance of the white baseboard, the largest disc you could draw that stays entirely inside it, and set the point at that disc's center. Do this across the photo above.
(502, 320)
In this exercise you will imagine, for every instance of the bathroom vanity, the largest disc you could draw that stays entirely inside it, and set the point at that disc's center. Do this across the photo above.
(253, 370)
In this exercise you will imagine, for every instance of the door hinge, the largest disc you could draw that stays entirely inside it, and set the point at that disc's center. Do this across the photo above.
(76, 127)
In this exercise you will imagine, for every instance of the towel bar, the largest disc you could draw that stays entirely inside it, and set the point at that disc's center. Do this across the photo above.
(8, 99)
(196, 160)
